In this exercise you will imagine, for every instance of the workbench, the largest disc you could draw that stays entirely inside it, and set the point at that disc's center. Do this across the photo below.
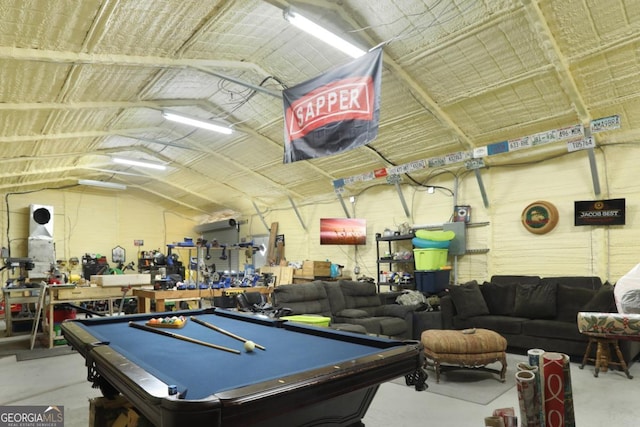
(71, 294)
(18, 296)
(145, 296)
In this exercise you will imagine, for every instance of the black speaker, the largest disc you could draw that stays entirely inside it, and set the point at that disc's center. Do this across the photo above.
(41, 221)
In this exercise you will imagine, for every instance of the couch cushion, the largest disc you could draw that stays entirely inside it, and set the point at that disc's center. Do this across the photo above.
(501, 324)
(305, 298)
(336, 299)
(500, 297)
(536, 301)
(468, 300)
(359, 294)
(396, 310)
(552, 329)
(586, 282)
(570, 300)
(353, 313)
(371, 324)
(603, 301)
(392, 326)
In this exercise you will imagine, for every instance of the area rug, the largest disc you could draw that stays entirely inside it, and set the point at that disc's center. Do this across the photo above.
(470, 385)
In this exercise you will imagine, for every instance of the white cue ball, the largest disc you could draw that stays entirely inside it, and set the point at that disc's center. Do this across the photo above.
(249, 346)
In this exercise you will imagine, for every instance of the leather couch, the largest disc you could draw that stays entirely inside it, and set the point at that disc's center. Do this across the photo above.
(354, 306)
(530, 311)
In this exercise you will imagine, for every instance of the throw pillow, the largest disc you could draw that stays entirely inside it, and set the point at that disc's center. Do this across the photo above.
(468, 300)
(500, 298)
(535, 301)
(570, 300)
(603, 301)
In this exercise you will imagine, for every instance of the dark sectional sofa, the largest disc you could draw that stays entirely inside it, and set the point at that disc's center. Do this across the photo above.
(530, 311)
(352, 306)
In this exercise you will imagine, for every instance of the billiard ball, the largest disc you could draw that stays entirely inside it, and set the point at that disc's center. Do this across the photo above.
(249, 346)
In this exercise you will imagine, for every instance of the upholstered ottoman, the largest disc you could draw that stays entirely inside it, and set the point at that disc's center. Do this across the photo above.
(472, 348)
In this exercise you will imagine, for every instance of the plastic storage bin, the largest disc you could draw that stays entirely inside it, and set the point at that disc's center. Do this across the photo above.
(309, 319)
(432, 282)
(430, 259)
(430, 244)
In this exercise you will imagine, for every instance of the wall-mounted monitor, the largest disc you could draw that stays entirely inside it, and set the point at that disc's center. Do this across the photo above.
(343, 231)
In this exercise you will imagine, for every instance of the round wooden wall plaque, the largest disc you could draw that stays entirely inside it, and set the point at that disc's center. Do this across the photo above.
(540, 217)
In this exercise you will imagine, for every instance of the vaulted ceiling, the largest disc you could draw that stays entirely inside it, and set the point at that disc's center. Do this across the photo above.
(82, 81)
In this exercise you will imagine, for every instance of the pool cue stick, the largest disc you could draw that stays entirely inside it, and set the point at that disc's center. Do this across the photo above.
(181, 337)
(225, 332)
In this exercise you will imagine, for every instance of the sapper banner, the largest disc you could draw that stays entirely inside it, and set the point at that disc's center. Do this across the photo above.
(334, 112)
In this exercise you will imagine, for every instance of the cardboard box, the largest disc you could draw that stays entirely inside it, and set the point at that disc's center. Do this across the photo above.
(105, 412)
(121, 279)
(283, 275)
(117, 412)
(314, 269)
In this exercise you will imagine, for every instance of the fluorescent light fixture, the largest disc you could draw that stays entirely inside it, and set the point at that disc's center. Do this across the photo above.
(197, 122)
(139, 163)
(102, 184)
(322, 33)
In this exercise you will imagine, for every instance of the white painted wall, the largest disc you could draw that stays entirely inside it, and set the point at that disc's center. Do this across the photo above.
(608, 252)
(95, 222)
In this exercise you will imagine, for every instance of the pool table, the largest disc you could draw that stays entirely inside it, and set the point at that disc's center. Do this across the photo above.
(306, 375)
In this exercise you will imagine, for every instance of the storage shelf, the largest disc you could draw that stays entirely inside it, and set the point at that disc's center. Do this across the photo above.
(395, 238)
(468, 225)
(394, 261)
(397, 286)
(388, 242)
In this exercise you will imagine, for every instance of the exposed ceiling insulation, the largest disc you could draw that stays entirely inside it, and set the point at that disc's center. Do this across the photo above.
(83, 81)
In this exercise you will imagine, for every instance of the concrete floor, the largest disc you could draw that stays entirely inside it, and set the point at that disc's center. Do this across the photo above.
(60, 380)
(609, 400)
